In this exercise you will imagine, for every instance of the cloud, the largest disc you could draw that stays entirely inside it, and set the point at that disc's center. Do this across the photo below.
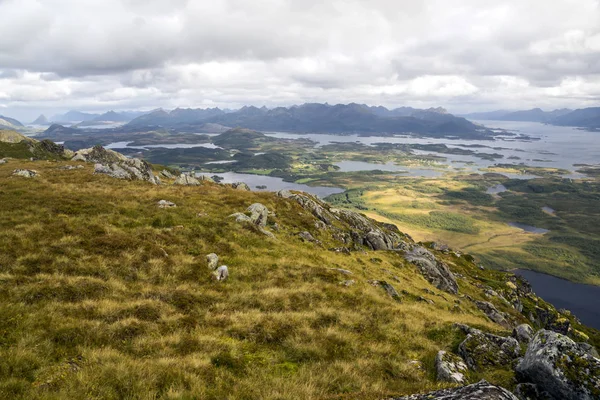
(465, 54)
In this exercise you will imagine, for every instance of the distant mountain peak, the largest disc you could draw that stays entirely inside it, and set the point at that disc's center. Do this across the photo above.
(41, 120)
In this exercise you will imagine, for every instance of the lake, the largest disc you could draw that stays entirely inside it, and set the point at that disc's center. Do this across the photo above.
(125, 145)
(272, 183)
(529, 228)
(580, 299)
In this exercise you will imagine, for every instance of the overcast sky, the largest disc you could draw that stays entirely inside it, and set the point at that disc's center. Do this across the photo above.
(465, 55)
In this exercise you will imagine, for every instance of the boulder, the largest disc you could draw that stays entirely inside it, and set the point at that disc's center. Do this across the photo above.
(206, 178)
(370, 233)
(307, 237)
(450, 367)
(3, 161)
(166, 204)
(132, 169)
(490, 310)
(284, 194)
(166, 174)
(258, 214)
(186, 180)
(478, 391)
(241, 186)
(437, 273)
(213, 261)
(70, 167)
(557, 364)
(222, 273)
(480, 350)
(98, 154)
(523, 333)
(25, 173)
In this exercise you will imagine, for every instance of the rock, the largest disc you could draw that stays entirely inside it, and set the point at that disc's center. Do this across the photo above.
(259, 214)
(478, 391)
(307, 237)
(213, 261)
(368, 232)
(70, 167)
(240, 217)
(132, 169)
(206, 178)
(490, 310)
(166, 204)
(284, 193)
(266, 232)
(314, 207)
(527, 391)
(588, 349)
(390, 290)
(437, 273)
(341, 271)
(560, 325)
(480, 350)
(166, 174)
(100, 155)
(450, 367)
(3, 161)
(348, 283)
(222, 273)
(186, 180)
(523, 333)
(557, 364)
(25, 173)
(241, 186)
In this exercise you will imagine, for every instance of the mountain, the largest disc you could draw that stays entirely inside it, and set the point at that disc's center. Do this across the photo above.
(112, 116)
(533, 115)
(320, 118)
(57, 129)
(73, 116)
(109, 289)
(9, 123)
(41, 120)
(15, 145)
(584, 118)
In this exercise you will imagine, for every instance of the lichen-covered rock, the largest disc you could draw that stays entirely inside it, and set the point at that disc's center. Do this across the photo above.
(213, 261)
(167, 174)
(311, 205)
(307, 237)
(284, 194)
(241, 186)
(258, 214)
(186, 180)
(492, 312)
(3, 161)
(437, 273)
(98, 154)
(450, 367)
(523, 333)
(588, 349)
(132, 169)
(557, 364)
(25, 173)
(206, 178)
(70, 167)
(478, 391)
(222, 273)
(166, 204)
(480, 350)
(368, 232)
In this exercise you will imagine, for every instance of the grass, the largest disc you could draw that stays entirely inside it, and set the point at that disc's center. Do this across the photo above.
(105, 296)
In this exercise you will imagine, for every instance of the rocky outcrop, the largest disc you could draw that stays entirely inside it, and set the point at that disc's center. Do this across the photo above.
(478, 391)
(167, 174)
(25, 173)
(240, 186)
(559, 366)
(492, 312)
(389, 289)
(480, 350)
(186, 180)
(259, 214)
(98, 154)
(70, 167)
(523, 333)
(450, 367)
(307, 237)
(367, 232)
(437, 273)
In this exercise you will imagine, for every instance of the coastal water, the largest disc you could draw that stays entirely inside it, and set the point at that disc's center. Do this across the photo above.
(272, 184)
(580, 299)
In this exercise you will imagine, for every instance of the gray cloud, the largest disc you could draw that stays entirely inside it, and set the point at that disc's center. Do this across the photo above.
(464, 54)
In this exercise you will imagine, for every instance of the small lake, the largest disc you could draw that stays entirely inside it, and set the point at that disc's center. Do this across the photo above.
(355, 166)
(496, 189)
(125, 145)
(529, 228)
(272, 183)
(578, 298)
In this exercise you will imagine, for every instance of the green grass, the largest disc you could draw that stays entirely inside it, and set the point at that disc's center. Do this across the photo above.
(437, 220)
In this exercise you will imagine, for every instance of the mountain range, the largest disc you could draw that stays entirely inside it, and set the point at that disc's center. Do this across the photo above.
(74, 116)
(584, 118)
(9, 123)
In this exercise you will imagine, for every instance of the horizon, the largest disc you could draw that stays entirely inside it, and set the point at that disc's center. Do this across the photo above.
(466, 55)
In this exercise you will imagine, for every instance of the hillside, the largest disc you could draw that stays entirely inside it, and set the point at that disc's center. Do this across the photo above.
(9, 123)
(15, 145)
(106, 295)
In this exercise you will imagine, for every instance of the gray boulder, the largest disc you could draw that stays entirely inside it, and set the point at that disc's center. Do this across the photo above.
(166, 174)
(523, 333)
(490, 310)
(213, 261)
(478, 391)
(240, 217)
(450, 367)
(132, 169)
(98, 154)
(368, 232)
(186, 180)
(70, 167)
(284, 194)
(258, 214)
(241, 186)
(480, 350)
(221, 273)
(25, 173)
(166, 204)
(3, 161)
(437, 273)
(307, 237)
(557, 364)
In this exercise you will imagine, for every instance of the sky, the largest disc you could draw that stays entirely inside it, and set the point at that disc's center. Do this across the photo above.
(465, 55)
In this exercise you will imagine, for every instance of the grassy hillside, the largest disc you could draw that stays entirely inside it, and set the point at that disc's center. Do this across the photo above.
(105, 296)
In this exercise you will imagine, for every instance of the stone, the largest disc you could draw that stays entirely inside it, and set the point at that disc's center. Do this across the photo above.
(3, 161)
(70, 167)
(390, 290)
(258, 214)
(482, 390)
(241, 186)
(240, 217)
(523, 333)
(213, 261)
(527, 391)
(348, 283)
(450, 367)
(206, 178)
(437, 273)
(186, 180)
(166, 204)
(25, 173)
(588, 349)
(132, 169)
(481, 350)
(98, 154)
(307, 237)
(492, 313)
(167, 174)
(222, 273)
(556, 363)
(284, 194)
(341, 271)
